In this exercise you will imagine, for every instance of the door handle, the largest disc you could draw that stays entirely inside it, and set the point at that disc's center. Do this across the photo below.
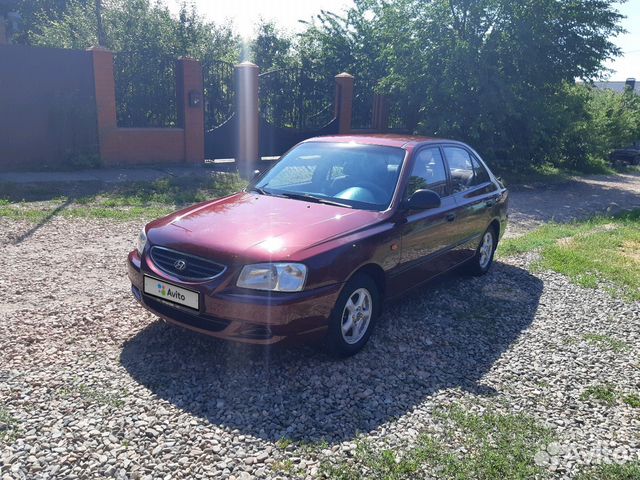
(451, 217)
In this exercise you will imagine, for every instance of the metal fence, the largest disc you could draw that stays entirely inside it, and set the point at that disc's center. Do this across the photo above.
(296, 98)
(145, 89)
(398, 116)
(219, 92)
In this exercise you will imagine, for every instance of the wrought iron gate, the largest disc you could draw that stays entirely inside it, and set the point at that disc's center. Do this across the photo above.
(220, 121)
(294, 104)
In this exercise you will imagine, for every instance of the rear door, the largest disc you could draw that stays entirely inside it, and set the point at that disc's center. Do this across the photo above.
(474, 194)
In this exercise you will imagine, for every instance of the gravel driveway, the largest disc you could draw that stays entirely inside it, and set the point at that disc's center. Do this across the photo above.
(92, 386)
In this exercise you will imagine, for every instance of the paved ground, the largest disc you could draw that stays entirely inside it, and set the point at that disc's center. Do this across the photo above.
(580, 198)
(91, 386)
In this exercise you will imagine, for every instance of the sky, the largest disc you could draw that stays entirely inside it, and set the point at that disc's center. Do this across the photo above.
(245, 14)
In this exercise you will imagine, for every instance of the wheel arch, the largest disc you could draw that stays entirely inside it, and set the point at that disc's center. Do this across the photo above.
(495, 224)
(376, 273)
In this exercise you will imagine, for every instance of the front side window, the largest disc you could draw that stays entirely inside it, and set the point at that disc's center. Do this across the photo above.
(428, 172)
(354, 175)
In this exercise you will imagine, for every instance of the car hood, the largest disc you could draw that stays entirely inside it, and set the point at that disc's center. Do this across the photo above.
(258, 227)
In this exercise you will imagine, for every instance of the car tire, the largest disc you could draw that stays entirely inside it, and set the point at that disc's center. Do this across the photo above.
(353, 316)
(483, 258)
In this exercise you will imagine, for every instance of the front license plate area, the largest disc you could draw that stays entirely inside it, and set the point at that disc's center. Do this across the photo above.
(171, 293)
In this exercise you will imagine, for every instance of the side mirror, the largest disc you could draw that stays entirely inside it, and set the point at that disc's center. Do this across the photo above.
(256, 174)
(423, 200)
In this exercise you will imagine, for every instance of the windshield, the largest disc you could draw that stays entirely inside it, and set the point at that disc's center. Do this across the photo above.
(345, 174)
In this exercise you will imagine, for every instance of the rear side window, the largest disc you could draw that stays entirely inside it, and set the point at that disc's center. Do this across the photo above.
(466, 170)
(428, 172)
(480, 172)
(460, 168)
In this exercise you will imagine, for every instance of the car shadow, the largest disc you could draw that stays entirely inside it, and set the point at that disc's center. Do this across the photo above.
(446, 335)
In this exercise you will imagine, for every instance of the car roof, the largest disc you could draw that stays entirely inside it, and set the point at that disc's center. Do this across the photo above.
(384, 139)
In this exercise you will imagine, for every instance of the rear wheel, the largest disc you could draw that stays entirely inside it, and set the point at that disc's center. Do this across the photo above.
(483, 259)
(353, 316)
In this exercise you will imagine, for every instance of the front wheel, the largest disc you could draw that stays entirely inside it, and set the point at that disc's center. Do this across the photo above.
(353, 316)
(483, 259)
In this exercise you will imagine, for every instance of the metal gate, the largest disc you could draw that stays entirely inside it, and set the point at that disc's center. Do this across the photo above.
(220, 120)
(294, 104)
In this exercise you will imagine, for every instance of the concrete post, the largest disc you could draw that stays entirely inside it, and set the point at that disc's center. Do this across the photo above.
(189, 93)
(246, 88)
(343, 103)
(105, 90)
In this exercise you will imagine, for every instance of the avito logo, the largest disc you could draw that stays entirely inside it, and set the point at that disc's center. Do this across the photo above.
(170, 293)
(174, 294)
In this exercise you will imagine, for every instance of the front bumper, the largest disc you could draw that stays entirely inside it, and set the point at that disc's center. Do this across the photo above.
(240, 315)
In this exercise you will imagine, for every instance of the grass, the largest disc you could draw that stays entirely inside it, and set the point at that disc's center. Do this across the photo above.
(604, 394)
(607, 395)
(122, 202)
(495, 446)
(8, 426)
(605, 342)
(599, 250)
(613, 471)
(92, 395)
(632, 399)
(545, 174)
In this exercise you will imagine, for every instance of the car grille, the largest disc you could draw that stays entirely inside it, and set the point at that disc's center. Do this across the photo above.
(193, 268)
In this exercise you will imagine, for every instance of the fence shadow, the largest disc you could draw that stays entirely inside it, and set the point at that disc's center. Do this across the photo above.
(446, 336)
(41, 223)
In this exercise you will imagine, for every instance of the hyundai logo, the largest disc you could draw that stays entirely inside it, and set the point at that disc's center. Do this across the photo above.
(180, 265)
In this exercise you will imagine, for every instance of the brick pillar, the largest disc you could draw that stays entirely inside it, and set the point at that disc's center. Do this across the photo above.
(343, 103)
(246, 88)
(380, 114)
(105, 90)
(189, 92)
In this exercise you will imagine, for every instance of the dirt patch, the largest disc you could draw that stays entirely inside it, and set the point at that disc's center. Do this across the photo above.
(631, 250)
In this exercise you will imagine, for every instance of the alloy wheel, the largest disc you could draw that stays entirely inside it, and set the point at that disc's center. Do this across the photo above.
(486, 250)
(356, 316)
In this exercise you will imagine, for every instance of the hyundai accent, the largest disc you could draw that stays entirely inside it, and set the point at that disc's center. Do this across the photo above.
(313, 247)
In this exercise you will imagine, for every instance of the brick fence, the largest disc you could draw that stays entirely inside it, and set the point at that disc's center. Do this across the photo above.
(137, 146)
(58, 109)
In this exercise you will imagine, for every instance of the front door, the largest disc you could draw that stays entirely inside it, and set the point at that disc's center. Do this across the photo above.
(427, 235)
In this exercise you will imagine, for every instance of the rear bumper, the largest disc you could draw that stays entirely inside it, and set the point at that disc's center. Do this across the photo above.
(239, 315)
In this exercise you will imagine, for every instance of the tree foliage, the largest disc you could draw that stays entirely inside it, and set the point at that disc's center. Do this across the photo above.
(490, 72)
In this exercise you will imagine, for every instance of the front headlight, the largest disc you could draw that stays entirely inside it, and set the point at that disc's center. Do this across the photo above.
(142, 241)
(275, 277)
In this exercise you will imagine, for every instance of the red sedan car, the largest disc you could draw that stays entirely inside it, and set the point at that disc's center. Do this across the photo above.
(313, 247)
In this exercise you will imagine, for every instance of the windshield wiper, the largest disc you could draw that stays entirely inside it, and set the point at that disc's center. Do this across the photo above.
(312, 198)
(261, 191)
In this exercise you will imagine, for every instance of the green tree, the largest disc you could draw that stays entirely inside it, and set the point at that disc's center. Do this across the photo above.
(491, 72)
(146, 39)
(271, 49)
